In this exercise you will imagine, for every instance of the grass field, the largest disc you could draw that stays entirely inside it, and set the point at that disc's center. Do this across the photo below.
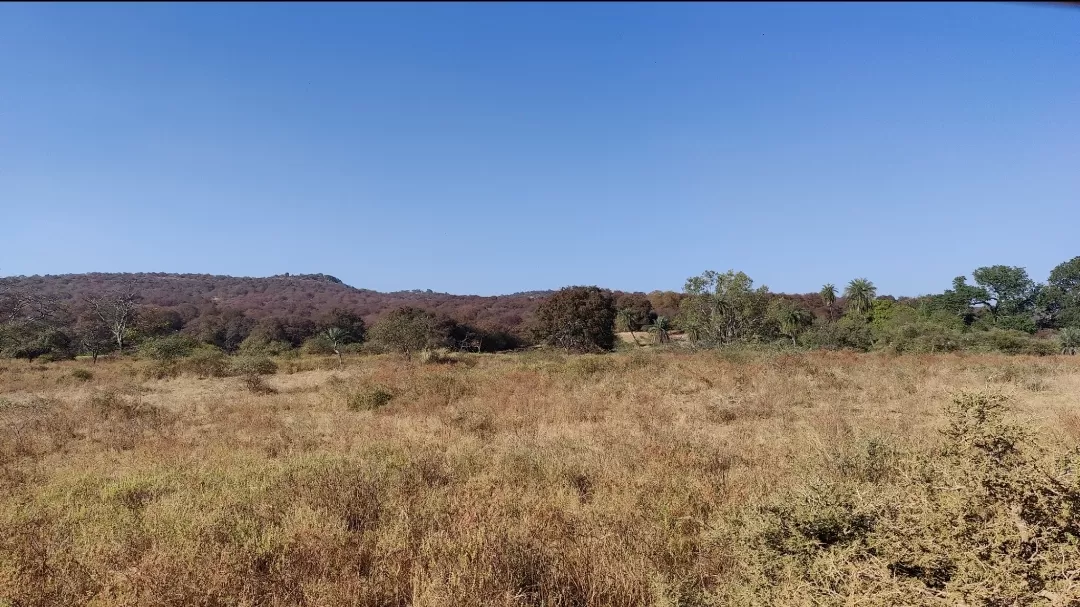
(643, 478)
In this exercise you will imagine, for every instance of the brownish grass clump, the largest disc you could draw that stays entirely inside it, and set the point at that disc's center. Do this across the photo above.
(657, 478)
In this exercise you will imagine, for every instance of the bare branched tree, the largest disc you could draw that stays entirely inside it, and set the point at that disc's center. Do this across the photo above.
(116, 312)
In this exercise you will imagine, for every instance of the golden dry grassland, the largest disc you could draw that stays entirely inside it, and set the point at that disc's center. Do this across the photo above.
(639, 478)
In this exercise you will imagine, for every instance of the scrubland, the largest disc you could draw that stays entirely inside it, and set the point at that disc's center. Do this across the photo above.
(638, 478)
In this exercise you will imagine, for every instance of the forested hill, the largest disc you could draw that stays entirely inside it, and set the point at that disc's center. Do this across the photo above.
(297, 296)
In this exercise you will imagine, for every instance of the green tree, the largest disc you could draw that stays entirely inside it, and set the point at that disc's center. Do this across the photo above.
(860, 295)
(720, 309)
(579, 319)
(1005, 290)
(660, 327)
(790, 318)
(1070, 340)
(336, 337)
(1059, 303)
(350, 323)
(407, 330)
(626, 318)
(828, 295)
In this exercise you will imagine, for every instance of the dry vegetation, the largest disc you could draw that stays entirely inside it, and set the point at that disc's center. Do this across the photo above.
(646, 478)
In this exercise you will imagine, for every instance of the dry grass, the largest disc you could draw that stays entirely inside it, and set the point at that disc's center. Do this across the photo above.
(644, 478)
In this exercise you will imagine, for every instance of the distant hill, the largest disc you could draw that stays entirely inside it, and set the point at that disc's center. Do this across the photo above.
(283, 295)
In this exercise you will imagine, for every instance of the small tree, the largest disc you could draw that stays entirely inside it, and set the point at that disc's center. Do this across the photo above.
(791, 319)
(578, 319)
(92, 336)
(352, 327)
(409, 330)
(336, 336)
(860, 295)
(660, 327)
(117, 312)
(1070, 340)
(828, 297)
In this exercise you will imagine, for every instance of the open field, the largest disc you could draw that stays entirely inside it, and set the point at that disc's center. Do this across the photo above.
(644, 478)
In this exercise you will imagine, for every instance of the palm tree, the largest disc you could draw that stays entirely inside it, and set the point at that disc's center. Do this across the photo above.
(860, 295)
(1070, 340)
(828, 295)
(335, 336)
(627, 318)
(792, 320)
(660, 326)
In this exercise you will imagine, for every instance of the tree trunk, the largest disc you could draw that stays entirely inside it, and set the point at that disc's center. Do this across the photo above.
(340, 363)
(632, 336)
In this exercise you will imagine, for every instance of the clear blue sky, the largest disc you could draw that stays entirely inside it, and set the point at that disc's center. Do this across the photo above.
(493, 148)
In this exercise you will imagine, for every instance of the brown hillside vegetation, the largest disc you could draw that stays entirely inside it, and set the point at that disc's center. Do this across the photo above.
(304, 296)
(644, 478)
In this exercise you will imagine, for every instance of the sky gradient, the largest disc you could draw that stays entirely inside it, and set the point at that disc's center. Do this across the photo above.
(493, 148)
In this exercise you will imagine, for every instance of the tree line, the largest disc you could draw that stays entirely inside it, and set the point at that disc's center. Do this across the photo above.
(1002, 309)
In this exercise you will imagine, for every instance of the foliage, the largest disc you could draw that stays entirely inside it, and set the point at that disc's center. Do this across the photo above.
(721, 309)
(408, 330)
(634, 311)
(247, 364)
(860, 294)
(578, 319)
(350, 324)
(791, 319)
(170, 347)
(1070, 340)
(206, 361)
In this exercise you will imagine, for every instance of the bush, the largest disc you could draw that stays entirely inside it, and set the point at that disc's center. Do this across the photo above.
(207, 361)
(580, 319)
(252, 364)
(170, 347)
(317, 346)
(1010, 341)
(408, 330)
(368, 399)
(82, 374)
(256, 385)
(257, 346)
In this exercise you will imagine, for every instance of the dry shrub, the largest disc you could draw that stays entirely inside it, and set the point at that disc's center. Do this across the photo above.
(255, 384)
(369, 399)
(985, 519)
(82, 374)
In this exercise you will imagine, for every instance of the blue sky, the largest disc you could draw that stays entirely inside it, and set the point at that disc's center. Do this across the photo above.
(492, 148)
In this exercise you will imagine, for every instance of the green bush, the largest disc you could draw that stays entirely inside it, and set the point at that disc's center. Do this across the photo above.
(170, 347)
(317, 346)
(1009, 341)
(82, 374)
(256, 346)
(207, 361)
(253, 364)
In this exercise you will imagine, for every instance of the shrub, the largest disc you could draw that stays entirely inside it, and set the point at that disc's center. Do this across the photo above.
(170, 347)
(1009, 341)
(368, 399)
(207, 361)
(256, 385)
(253, 364)
(409, 330)
(317, 346)
(82, 374)
(578, 319)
